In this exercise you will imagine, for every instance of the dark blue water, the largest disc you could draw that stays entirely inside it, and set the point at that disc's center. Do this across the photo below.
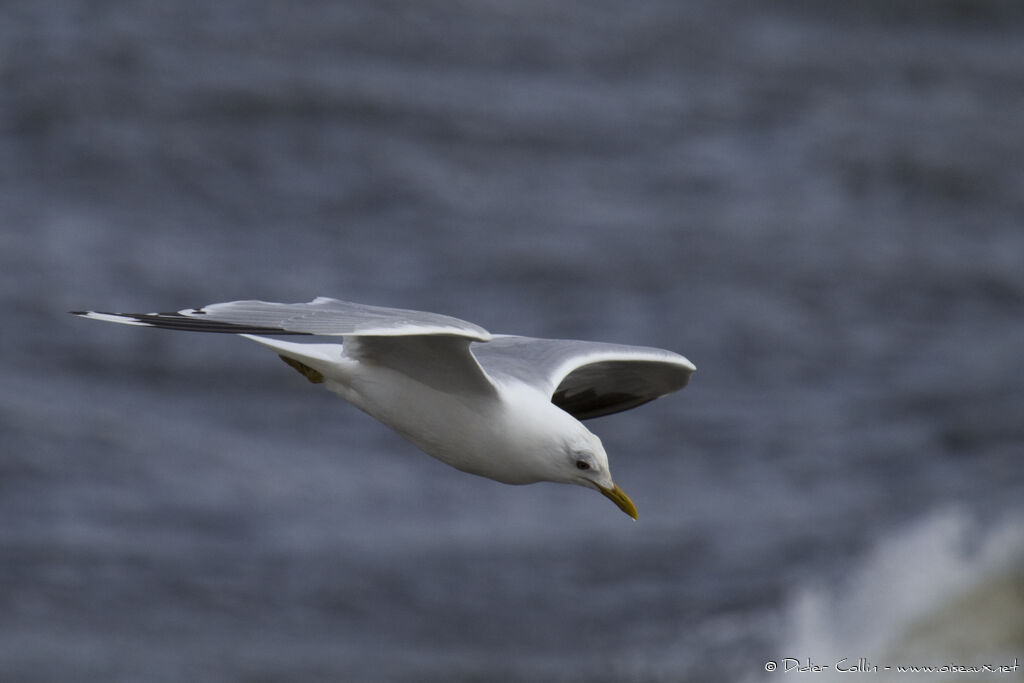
(822, 208)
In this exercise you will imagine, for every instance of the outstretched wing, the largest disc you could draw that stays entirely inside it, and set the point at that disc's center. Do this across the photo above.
(322, 316)
(586, 379)
(428, 347)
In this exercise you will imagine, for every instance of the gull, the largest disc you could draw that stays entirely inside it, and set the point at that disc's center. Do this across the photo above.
(504, 407)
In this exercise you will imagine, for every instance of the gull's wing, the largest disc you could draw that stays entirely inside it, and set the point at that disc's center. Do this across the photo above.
(321, 316)
(429, 347)
(585, 379)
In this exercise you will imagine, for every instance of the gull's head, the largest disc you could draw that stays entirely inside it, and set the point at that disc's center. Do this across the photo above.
(549, 444)
(584, 462)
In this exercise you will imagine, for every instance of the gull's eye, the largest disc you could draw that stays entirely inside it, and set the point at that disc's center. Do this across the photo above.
(582, 465)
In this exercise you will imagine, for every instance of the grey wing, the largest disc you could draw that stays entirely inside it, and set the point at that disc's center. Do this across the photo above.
(432, 348)
(322, 316)
(586, 379)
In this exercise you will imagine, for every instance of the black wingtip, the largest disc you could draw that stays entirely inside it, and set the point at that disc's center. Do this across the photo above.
(189, 322)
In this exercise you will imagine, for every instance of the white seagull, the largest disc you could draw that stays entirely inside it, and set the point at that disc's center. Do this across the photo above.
(500, 406)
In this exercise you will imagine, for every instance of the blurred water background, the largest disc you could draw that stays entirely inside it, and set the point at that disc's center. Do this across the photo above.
(820, 204)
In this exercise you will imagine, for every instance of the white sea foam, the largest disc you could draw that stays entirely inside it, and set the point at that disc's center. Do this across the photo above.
(946, 592)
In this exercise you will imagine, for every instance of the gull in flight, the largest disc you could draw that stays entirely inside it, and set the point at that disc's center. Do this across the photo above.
(500, 406)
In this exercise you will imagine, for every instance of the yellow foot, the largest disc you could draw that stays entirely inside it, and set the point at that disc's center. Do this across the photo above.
(306, 371)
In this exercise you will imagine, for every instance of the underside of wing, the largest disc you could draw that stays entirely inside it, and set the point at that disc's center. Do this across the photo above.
(322, 316)
(586, 379)
(610, 386)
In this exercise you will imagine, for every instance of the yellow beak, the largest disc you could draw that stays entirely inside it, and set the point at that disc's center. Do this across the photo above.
(616, 496)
